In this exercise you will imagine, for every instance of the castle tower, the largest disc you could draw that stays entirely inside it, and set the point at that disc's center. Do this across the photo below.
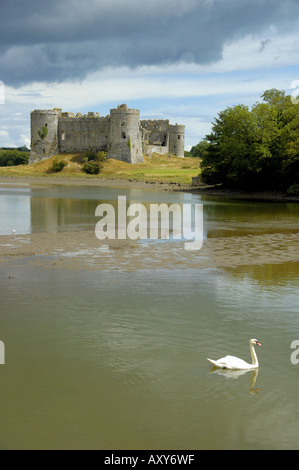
(176, 139)
(125, 137)
(44, 134)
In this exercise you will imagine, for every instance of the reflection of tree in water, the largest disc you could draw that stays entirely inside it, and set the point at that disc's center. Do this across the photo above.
(268, 275)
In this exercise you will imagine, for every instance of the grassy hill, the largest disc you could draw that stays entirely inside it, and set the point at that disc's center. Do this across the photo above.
(157, 168)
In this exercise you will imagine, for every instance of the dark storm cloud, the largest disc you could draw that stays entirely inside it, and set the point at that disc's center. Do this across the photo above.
(62, 39)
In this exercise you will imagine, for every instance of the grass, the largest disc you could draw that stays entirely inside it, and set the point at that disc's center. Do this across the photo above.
(157, 168)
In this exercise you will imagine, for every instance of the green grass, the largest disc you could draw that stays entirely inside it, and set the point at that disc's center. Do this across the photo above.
(157, 168)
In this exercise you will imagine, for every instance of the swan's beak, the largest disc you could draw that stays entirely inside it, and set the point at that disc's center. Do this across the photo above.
(258, 343)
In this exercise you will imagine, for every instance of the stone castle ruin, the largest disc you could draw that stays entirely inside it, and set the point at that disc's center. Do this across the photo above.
(121, 134)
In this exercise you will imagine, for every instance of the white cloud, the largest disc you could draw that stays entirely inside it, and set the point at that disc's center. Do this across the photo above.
(186, 93)
(125, 86)
(3, 134)
(5, 139)
(24, 140)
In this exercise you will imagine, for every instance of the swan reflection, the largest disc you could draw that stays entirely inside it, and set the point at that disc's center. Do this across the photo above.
(234, 374)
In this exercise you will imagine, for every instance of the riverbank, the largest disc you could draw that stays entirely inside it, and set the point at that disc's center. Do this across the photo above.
(143, 184)
(269, 196)
(157, 169)
(158, 172)
(113, 183)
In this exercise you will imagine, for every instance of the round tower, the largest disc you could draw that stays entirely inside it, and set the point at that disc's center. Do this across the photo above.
(44, 134)
(125, 139)
(177, 139)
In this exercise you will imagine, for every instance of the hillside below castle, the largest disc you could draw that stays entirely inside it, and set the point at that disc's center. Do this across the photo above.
(121, 134)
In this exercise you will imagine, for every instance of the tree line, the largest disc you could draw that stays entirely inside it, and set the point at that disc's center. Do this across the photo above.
(254, 149)
(17, 156)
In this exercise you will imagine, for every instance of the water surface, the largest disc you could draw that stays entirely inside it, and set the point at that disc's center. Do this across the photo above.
(106, 346)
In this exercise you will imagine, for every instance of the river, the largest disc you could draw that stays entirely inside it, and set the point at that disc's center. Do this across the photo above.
(106, 341)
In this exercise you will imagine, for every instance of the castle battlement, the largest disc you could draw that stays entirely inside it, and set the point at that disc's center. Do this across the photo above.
(121, 134)
(83, 116)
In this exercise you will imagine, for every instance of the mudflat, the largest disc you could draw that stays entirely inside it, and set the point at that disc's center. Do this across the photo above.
(82, 250)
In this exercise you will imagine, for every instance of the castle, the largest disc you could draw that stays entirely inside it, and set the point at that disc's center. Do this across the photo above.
(121, 134)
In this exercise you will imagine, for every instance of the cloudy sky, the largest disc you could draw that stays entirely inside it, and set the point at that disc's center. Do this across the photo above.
(185, 60)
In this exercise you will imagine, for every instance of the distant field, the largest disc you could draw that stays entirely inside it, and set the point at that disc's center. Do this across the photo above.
(157, 168)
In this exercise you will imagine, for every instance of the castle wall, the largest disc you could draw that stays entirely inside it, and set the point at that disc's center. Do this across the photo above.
(150, 149)
(125, 135)
(177, 139)
(81, 133)
(155, 132)
(121, 134)
(44, 134)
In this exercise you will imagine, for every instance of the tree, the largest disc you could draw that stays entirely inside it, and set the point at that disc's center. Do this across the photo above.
(199, 149)
(234, 148)
(13, 157)
(255, 149)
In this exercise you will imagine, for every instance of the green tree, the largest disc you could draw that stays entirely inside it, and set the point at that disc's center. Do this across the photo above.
(199, 149)
(255, 149)
(13, 157)
(234, 149)
(277, 117)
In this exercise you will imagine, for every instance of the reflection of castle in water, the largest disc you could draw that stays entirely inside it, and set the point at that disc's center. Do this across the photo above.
(53, 214)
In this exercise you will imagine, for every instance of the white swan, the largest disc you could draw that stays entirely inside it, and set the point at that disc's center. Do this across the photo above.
(234, 363)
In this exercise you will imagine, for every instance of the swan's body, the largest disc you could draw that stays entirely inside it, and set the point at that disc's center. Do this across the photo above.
(235, 363)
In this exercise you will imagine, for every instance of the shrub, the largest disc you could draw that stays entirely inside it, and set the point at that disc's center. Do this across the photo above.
(91, 168)
(88, 156)
(57, 166)
(101, 156)
(92, 156)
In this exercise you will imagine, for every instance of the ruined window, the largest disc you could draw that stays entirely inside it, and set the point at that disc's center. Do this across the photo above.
(44, 151)
(62, 135)
(179, 137)
(123, 123)
(123, 135)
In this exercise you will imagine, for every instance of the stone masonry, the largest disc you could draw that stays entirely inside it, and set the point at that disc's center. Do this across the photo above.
(121, 134)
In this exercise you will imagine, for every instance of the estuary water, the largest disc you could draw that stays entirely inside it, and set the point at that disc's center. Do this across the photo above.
(106, 341)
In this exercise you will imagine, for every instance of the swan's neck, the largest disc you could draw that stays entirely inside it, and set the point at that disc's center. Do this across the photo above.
(255, 362)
